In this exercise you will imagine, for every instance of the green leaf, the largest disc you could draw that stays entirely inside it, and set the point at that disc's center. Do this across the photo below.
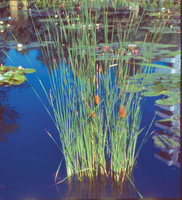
(30, 70)
(168, 101)
(18, 77)
(170, 54)
(151, 94)
(158, 87)
(15, 82)
(164, 120)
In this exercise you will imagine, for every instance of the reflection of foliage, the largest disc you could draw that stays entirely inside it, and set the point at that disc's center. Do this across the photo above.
(3, 52)
(171, 39)
(4, 3)
(8, 118)
(22, 35)
(49, 62)
(164, 141)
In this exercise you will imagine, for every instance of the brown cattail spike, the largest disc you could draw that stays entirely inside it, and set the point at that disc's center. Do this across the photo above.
(122, 111)
(92, 114)
(97, 99)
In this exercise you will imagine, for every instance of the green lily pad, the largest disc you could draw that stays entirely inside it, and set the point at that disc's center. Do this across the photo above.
(168, 93)
(168, 101)
(19, 77)
(29, 70)
(158, 87)
(151, 94)
(2, 78)
(15, 82)
(8, 75)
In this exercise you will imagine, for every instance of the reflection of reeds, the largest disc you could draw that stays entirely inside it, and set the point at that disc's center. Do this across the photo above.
(96, 139)
(100, 188)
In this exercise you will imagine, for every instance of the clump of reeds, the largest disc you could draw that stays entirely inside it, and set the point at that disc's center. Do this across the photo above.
(97, 115)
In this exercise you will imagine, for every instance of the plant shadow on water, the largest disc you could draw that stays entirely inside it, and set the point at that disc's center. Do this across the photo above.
(98, 87)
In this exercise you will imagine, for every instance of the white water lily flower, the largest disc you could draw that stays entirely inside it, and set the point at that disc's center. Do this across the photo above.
(163, 9)
(132, 45)
(19, 45)
(56, 16)
(1, 22)
(20, 67)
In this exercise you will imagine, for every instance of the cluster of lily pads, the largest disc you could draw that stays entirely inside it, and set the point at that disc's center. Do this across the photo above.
(138, 50)
(156, 84)
(10, 75)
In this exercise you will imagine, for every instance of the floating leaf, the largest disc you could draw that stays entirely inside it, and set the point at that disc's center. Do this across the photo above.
(2, 78)
(158, 87)
(15, 82)
(151, 94)
(8, 75)
(19, 77)
(30, 70)
(168, 101)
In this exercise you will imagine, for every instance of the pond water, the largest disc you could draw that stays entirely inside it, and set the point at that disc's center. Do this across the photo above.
(29, 158)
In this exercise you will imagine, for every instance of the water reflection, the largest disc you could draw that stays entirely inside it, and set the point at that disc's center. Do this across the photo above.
(100, 188)
(8, 117)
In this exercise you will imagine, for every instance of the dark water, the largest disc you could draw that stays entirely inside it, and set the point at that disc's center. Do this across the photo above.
(29, 158)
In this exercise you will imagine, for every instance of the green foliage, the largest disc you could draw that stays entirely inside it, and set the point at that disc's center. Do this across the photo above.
(97, 138)
(13, 75)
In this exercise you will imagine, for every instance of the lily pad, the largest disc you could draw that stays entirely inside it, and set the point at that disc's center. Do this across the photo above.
(168, 101)
(19, 77)
(15, 82)
(30, 70)
(13, 75)
(151, 94)
(158, 87)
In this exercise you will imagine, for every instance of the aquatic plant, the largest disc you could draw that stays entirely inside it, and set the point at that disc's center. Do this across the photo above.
(97, 114)
(156, 84)
(10, 75)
